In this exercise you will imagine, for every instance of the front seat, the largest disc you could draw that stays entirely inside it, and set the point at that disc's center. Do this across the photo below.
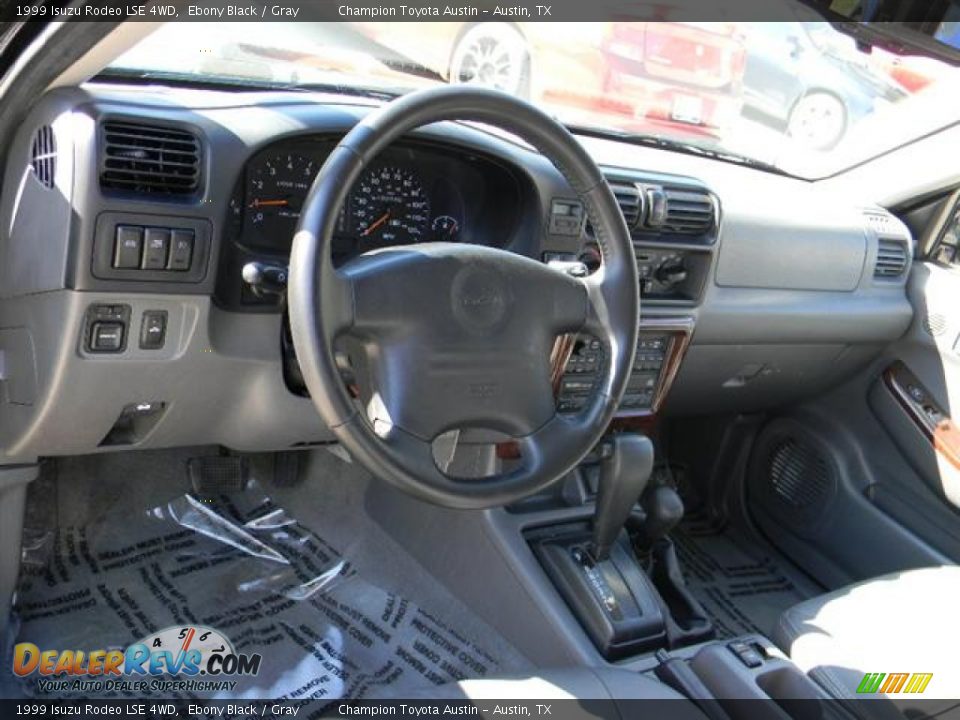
(568, 684)
(905, 622)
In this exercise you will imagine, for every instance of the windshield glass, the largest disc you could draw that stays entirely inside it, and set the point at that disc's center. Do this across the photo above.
(797, 95)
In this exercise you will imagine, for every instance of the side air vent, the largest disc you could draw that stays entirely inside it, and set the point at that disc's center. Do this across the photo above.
(689, 212)
(630, 201)
(891, 259)
(149, 159)
(43, 156)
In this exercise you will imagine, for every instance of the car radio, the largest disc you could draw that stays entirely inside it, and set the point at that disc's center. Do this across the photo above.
(661, 345)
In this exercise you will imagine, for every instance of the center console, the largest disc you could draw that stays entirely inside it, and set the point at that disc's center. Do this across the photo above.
(661, 345)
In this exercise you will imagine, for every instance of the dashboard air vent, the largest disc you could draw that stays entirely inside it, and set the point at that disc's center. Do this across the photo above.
(629, 200)
(689, 212)
(43, 156)
(891, 259)
(149, 159)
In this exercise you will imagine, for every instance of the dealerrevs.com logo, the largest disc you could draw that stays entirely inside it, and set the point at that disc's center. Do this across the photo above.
(202, 655)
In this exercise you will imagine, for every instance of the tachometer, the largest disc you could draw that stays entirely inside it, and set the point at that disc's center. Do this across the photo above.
(276, 187)
(389, 207)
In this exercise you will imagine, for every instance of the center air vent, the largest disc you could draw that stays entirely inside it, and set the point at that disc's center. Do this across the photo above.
(689, 212)
(43, 156)
(630, 202)
(149, 159)
(891, 259)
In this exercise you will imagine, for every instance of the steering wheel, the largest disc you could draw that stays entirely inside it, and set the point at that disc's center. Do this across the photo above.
(458, 335)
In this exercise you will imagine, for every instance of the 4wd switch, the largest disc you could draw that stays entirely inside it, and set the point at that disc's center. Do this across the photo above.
(128, 247)
(156, 245)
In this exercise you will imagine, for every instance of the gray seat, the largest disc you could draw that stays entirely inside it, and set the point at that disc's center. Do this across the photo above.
(905, 622)
(566, 684)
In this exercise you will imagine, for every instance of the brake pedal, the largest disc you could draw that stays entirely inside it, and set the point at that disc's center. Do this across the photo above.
(215, 475)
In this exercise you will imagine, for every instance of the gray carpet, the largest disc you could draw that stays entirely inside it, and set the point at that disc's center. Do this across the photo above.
(743, 584)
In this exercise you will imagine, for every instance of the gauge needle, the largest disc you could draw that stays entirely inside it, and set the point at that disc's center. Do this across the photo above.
(268, 203)
(376, 223)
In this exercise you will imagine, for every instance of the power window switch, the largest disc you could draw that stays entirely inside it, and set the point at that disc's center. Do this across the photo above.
(156, 245)
(127, 247)
(153, 329)
(181, 250)
(106, 337)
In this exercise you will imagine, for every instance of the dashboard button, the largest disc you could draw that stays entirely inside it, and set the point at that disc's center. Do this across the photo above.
(153, 329)
(106, 336)
(156, 244)
(181, 250)
(127, 247)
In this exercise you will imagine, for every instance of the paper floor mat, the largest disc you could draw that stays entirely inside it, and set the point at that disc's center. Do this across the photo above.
(242, 566)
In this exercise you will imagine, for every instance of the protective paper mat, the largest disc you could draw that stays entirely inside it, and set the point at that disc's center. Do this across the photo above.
(743, 589)
(244, 567)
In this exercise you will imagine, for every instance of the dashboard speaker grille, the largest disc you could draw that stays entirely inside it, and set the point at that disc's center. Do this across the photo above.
(43, 156)
(891, 259)
(148, 159)
(934, 324)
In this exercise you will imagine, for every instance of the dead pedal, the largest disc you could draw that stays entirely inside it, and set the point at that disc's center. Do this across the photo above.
(215, 475)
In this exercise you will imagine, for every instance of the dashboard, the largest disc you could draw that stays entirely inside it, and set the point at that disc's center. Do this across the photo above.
(124, 299)
(413, 193)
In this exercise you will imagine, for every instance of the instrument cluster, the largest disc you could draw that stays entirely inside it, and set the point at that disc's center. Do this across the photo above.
(410, 194)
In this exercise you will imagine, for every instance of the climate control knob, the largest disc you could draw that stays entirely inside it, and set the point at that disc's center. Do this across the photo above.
(671, 271)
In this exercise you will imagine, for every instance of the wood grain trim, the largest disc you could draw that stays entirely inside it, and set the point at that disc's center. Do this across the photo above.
(681, 332)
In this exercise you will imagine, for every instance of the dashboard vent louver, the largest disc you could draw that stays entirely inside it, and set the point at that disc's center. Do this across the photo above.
(689, 212)
(43, 156)
(149, 159)
(891, 259)
(630, 201)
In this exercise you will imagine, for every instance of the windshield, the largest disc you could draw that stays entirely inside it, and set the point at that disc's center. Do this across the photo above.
(796, 95)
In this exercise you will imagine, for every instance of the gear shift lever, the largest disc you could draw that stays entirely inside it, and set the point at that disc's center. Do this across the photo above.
(624, 472)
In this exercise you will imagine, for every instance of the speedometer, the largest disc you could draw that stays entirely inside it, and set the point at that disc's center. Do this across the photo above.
(389, 207)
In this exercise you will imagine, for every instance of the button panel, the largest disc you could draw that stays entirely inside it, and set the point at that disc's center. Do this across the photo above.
(587, 360)
(150, 248)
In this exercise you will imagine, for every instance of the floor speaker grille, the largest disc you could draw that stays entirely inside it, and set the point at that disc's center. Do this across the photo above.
(798, 477)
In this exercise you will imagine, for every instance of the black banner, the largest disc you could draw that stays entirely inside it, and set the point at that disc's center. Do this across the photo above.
(389, 10)
(507, 709)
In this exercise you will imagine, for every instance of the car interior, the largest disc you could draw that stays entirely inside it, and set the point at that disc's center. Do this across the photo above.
(434, 396)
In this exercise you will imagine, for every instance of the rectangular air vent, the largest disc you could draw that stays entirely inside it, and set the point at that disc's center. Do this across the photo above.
(689, 212)
(630, 201)
(891, 259)
(149, 159)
